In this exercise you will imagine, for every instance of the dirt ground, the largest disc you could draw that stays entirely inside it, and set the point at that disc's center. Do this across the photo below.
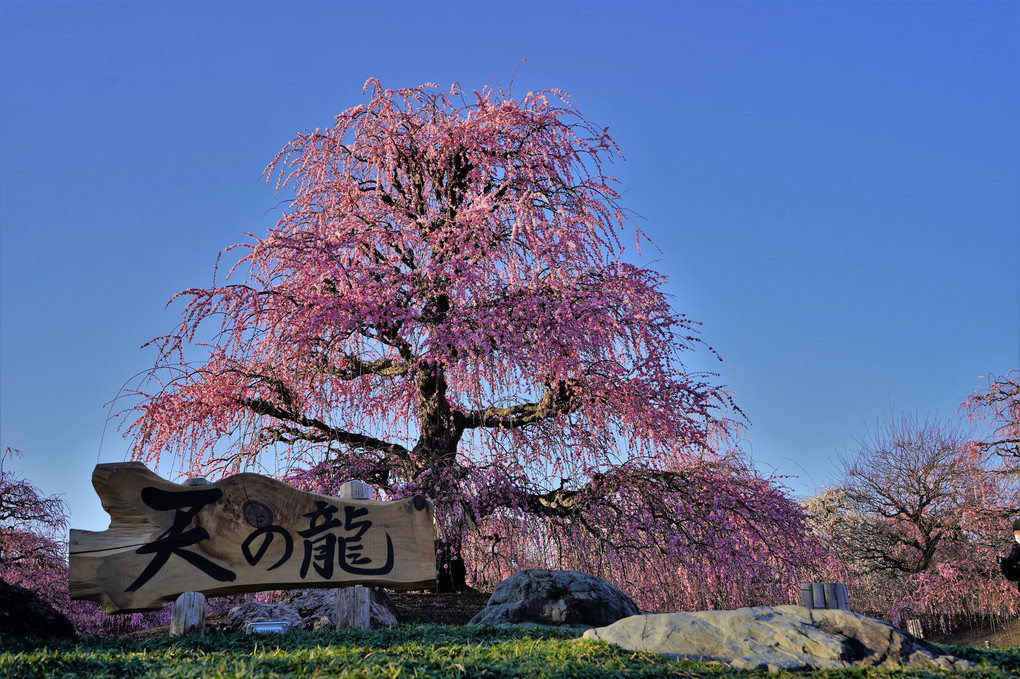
(439, 609)
(982, 636)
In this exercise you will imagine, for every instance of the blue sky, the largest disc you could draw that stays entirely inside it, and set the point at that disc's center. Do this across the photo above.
(834, 186)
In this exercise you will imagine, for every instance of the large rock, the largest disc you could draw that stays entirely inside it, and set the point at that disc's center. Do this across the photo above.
(538, 596)
(258, 611)
(24, 613)
(308, 609)
(790, 638)
(317, 608)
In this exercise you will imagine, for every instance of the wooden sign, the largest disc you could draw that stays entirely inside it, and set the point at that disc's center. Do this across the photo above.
(245, 533)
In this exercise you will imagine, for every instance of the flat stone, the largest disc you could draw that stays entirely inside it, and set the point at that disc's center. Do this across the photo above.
(789, 638)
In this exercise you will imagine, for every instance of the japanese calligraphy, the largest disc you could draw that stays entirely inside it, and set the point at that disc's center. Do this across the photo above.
(173, 540)
(243, 533)
(351, 560)
(267, 533)
(325, 549)
(329, 542)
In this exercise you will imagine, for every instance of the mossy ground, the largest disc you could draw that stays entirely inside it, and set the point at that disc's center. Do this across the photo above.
(402, 651)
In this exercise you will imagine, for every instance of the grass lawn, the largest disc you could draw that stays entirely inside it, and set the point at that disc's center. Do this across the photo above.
(401, 651)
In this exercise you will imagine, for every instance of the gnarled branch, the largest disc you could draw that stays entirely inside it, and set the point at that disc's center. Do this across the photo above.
(560, 398)
(316, 431)
(355, 368)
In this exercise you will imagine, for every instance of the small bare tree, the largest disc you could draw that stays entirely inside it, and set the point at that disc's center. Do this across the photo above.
(917, 478)
(920, 518)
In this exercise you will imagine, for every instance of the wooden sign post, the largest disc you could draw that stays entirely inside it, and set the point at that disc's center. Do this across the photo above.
(353, 608)
(187, 613)
(245, 533)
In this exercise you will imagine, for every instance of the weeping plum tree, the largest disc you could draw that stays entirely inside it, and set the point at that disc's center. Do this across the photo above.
(442, 309)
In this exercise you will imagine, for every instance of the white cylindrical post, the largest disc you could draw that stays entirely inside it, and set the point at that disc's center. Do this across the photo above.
(352, 603)
(188, 613)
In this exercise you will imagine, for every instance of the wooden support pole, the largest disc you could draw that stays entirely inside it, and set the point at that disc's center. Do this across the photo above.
(807, 599)
(842, 598)
(187, 615)
(352, 603)
(830, 595)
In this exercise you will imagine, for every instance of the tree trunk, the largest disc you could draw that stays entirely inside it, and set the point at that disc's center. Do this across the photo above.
(437, 448)
(451, 569)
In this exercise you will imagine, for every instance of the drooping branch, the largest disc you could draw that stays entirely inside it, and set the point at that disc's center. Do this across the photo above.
(31, 524)
(880, 551)
(641, 506)
(565, 502)
(998, 405)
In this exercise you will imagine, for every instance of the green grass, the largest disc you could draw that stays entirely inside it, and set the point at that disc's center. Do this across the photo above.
(402, 651)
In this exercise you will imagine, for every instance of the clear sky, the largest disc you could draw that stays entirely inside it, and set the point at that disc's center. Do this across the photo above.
(834, 186)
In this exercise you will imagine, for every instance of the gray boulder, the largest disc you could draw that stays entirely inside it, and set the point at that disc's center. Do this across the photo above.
(538, 596)
(23, 613)
(317, 607)
(257, 611)
(790, 638)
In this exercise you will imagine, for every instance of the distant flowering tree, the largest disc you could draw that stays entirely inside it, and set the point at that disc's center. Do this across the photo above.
(918, 519)
(998, 406)
(442, 309)
(31, 524)
(33, 553)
